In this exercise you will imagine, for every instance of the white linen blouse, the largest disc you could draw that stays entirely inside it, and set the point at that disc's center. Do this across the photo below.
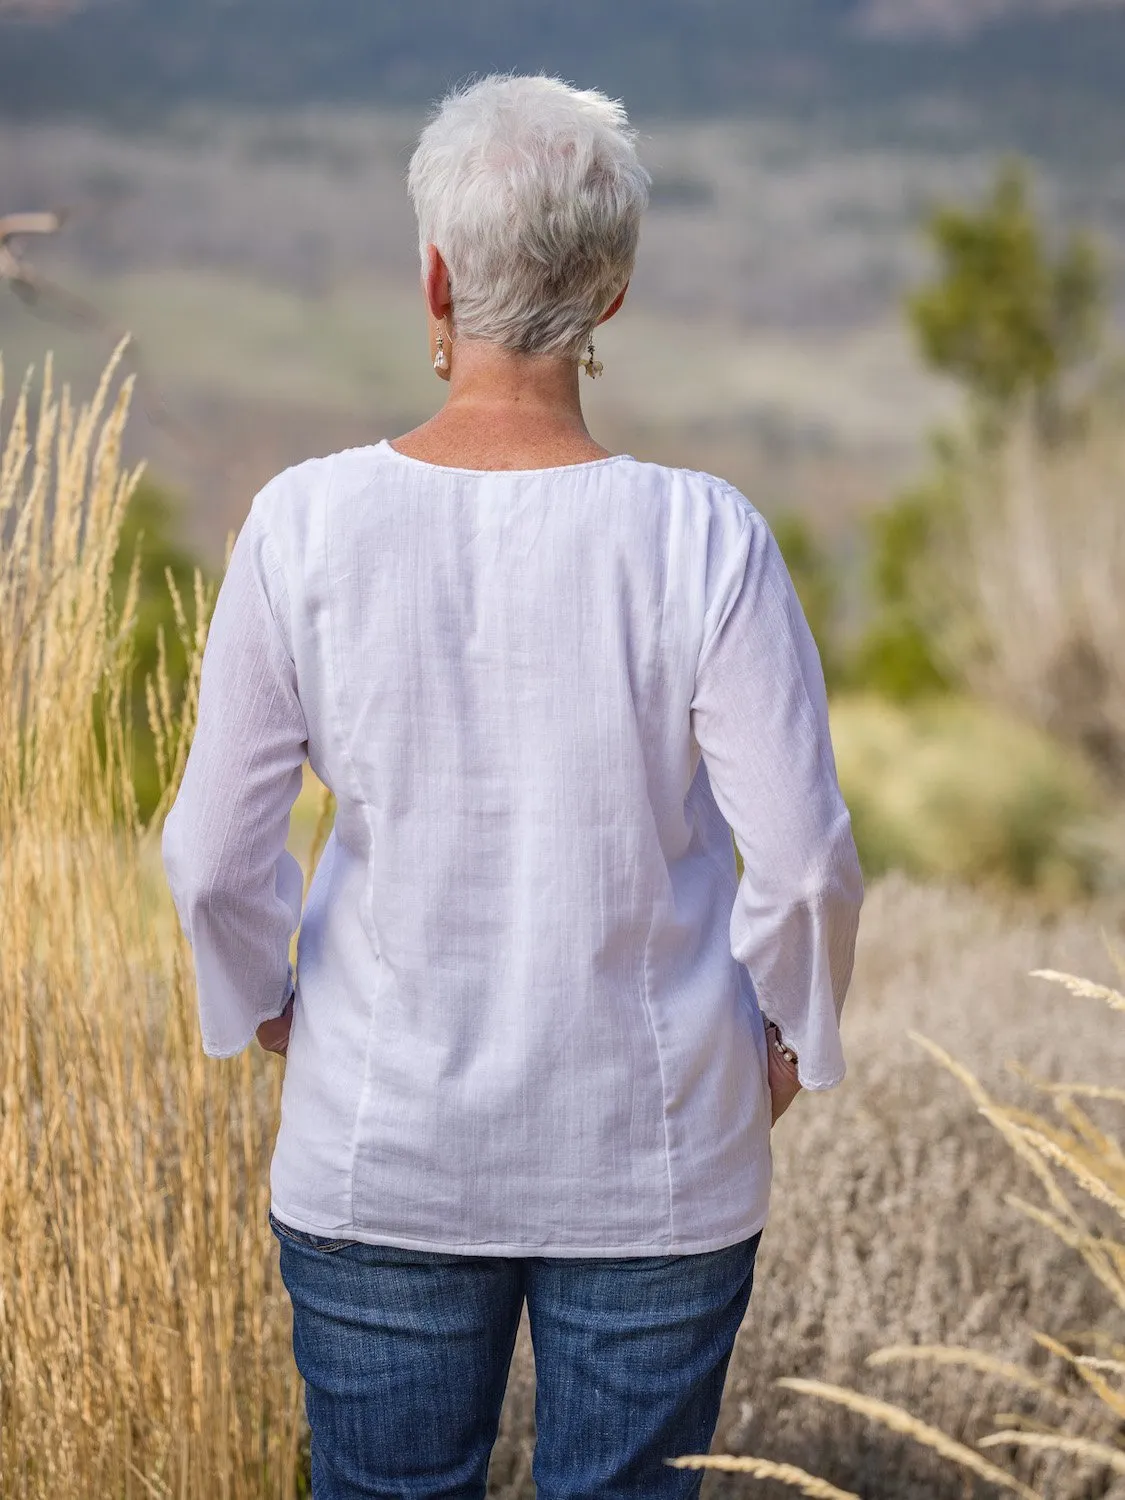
(529, 985)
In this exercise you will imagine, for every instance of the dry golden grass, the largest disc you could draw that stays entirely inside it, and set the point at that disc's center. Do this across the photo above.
(143, 1336)
(762, 1468)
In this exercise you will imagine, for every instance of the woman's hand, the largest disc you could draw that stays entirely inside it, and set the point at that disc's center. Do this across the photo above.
(273, 1035)
(784, 1084)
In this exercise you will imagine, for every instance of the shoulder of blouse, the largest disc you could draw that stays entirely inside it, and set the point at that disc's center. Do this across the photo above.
(292, 489)
(284, 504)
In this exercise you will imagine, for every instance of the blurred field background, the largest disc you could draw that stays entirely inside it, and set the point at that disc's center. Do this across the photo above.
(880, 289)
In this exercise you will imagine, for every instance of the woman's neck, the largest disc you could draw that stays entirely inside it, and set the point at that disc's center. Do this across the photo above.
(505, 411)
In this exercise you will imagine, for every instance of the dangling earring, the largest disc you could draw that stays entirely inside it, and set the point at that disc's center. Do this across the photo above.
(440, 361)
(592, 366)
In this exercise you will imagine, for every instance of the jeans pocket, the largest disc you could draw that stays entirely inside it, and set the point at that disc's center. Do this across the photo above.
(306, 1238)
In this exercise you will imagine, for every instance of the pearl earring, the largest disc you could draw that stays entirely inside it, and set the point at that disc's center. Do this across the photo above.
(592, 366)
(440, 361)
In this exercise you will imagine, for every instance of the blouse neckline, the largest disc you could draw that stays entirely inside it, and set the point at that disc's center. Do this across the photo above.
(421, 463)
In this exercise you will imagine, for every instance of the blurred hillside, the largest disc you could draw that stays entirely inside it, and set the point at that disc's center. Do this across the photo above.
(125, 58)
(963, 17)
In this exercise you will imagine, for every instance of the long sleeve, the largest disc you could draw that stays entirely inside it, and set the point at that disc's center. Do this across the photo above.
(760, 718)
(236, 888)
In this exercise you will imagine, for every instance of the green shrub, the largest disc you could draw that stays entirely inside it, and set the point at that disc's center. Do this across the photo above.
(897, 654)
(1008, 315)
(950, 788)
(1016, 323)
(149, 527)
(816, 581)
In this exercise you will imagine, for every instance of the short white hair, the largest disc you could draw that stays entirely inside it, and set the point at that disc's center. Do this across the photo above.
(533, 193)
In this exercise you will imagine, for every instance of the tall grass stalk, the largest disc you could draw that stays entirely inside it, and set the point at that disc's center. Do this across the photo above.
(144, 1344)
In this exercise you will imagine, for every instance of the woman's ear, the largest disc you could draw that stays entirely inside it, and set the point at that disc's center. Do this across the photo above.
(614, 305)
(435, 284)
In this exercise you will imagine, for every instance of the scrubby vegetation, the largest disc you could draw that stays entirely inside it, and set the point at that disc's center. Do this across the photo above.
(979, 688)
(954, 789)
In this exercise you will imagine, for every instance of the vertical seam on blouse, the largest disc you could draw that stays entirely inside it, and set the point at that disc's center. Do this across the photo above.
(349, 768)
(656, 655)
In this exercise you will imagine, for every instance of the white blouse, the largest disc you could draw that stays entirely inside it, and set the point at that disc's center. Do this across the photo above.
(528, 979)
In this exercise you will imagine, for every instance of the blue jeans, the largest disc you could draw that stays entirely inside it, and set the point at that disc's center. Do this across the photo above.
(405, 1357)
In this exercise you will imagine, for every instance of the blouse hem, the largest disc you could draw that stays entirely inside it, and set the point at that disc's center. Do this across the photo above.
(507, 1248)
